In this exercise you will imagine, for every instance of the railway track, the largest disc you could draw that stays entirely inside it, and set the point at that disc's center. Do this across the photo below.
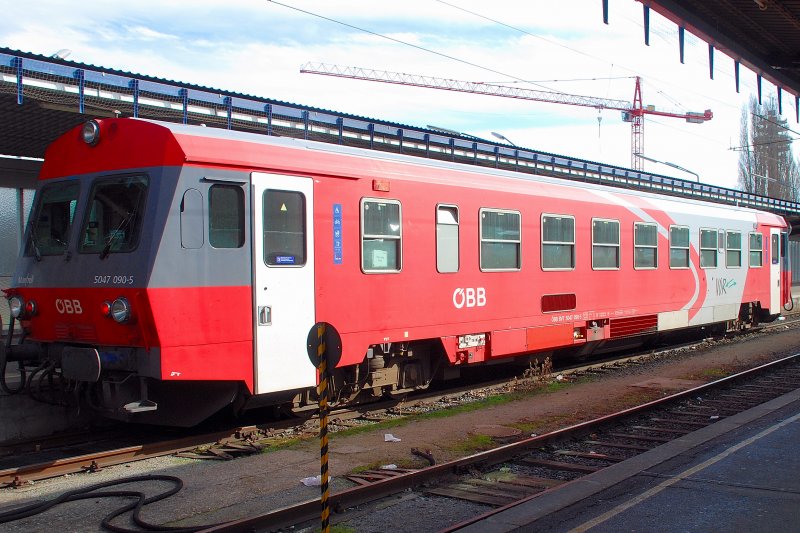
(521, 470)
(229, 443)
(232, 442)
(485, 484)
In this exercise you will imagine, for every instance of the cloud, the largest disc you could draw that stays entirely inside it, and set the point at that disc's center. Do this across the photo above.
(142, 33)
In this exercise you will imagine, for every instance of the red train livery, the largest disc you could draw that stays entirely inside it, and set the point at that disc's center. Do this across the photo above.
(169, 271)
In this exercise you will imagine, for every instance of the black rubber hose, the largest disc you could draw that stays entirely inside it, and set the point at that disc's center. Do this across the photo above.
(31, 392)
(136, 507)
(4, 361)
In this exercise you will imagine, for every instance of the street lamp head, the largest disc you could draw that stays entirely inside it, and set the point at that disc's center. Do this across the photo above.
(503, 138)
(669, 164)
(61, 54)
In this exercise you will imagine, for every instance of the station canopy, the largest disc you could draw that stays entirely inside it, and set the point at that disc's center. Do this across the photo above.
(763, 35)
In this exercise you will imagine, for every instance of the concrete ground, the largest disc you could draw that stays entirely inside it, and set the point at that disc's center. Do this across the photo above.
(739, 474)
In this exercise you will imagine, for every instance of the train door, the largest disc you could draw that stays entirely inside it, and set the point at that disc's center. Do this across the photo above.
(283, 281)
(786, 271)
(775, 271)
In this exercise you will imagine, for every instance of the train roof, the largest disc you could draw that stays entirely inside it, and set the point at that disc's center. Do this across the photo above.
(151, 143)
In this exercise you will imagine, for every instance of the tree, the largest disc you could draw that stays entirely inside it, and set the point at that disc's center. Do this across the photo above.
(766, 163)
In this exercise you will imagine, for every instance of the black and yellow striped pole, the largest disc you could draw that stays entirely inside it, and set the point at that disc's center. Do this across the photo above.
(322, 393)
(324, 350)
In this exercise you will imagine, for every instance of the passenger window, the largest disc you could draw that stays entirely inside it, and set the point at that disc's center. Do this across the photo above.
(284, 228)
(645, 245)
(447, 248)
(733, 245)
(756, 249)
(226, 216)
(558, 242)
(381, 235)
(500, 239)
(708, 248)
(678, 247)
(605, 244)
(192, 219)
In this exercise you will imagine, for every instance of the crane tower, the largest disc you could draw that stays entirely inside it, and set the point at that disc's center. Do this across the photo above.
(632, 112)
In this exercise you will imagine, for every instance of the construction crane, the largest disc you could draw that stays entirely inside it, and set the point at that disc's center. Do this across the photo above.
(632, 112)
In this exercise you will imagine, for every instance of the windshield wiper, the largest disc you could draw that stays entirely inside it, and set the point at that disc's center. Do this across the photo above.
(116, 232)
(35, 244)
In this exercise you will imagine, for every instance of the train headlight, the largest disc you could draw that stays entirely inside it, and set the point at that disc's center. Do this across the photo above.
(120, 310)
(16, 305)
(105, 309)
(91, 133)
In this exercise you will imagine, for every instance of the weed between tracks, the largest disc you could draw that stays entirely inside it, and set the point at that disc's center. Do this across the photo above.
(710, 374)
(536, 380)
(473, 444)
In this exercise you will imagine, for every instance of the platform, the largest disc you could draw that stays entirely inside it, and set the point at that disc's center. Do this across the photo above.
(740, 474)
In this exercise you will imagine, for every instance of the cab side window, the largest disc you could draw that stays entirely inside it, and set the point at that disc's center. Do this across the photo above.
(226, 216)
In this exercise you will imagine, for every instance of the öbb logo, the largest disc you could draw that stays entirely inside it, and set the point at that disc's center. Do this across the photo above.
(469, 297)
(69, 307)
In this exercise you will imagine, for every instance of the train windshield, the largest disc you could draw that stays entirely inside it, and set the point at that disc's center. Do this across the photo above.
(115, 213)
(51, 225)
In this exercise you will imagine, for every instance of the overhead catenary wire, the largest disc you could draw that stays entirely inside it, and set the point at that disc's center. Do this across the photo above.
(768, 119)
(406, 43)
(691, 40)
(516, 78)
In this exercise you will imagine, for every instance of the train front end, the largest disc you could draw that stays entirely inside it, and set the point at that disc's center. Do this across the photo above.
(81, 294)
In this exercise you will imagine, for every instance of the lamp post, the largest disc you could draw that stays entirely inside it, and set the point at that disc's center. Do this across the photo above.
(667, 163)
(503, 138)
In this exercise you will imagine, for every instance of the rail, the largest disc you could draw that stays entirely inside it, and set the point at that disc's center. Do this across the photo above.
(106, 92)
(293, 515)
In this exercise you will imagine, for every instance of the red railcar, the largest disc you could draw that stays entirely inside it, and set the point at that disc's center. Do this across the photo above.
(169, 271)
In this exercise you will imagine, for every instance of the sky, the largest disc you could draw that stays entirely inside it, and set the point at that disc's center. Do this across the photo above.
(257, 47)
